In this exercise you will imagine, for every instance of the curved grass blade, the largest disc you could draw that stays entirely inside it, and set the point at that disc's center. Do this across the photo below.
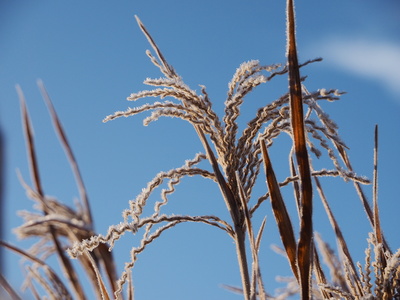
(279, 209)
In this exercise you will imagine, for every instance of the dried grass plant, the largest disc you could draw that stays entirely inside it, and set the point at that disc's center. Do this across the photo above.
(235, 161)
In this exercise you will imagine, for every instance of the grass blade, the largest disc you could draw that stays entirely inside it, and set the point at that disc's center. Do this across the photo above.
(254, 245)
(166, 68)
(279, 209)
(320, 275)
(8, 288)
(296, 186)
(304, 249)
(102, 252)
(318, 271)
(377, 224)
(260, 233)
(233, 208)
(361, 194)
(102, 287)
(68, 150)
(53, 275)
(64, 262)
(30, 144)
(356, 283)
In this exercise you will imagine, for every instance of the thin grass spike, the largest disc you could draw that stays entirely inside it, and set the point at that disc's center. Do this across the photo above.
(63, 138)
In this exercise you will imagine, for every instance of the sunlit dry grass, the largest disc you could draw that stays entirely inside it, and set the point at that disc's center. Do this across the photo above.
(235, 161)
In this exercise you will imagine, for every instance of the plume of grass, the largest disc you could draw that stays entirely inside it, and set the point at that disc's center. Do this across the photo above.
(235, 161)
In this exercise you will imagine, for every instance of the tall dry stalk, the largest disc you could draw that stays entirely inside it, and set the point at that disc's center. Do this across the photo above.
(304, 248)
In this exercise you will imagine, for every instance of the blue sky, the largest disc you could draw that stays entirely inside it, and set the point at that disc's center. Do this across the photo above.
(91, 56)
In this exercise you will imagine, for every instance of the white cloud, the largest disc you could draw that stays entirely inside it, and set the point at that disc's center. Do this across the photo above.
(375, 59)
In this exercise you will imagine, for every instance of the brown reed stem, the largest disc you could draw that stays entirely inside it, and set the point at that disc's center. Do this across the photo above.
(304, 247)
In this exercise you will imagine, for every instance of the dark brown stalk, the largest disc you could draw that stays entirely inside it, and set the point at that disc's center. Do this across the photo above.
(318, 271)
(64, 261)
(279, 209)
(304, 249)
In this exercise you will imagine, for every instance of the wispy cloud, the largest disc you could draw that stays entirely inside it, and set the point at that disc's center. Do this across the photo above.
(375, 59)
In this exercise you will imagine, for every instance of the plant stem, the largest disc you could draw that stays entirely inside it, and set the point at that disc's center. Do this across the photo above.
(237, 215)
(242, 260)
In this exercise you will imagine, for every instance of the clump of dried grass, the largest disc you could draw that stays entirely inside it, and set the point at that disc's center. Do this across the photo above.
(56, 227)
(235, 161)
